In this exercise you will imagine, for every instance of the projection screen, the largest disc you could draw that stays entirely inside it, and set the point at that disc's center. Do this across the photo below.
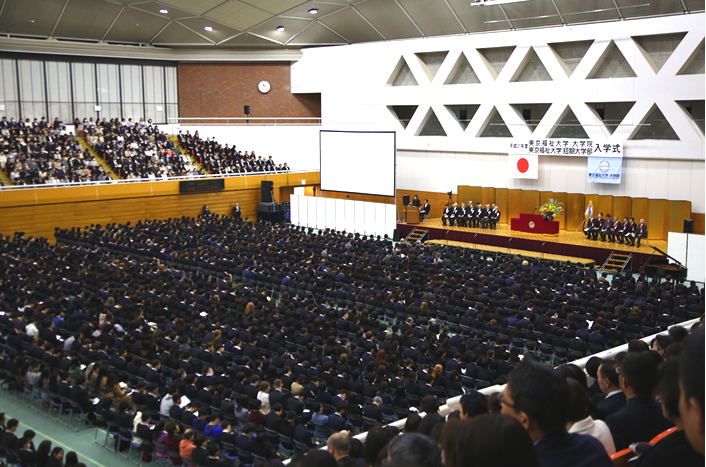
(358, 162)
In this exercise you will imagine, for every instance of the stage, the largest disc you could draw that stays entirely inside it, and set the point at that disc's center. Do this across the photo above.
(567, 243)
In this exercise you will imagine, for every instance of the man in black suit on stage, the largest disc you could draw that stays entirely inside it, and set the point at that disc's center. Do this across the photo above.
(446, 216)
(596, 226)
(485, 217)
(461, 215)
(606, 227)
(452, 214)
(494, 217)
(631, 232)
(469, 214)
(641, 232)
(615, 231)
(426, 209)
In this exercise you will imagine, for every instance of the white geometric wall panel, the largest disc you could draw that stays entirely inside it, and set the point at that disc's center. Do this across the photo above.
(356, 85)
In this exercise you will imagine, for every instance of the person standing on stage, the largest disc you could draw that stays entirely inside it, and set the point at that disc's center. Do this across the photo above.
(641, 232)
(446, 216)
(415, 202)
(606, 228)
(615, 230)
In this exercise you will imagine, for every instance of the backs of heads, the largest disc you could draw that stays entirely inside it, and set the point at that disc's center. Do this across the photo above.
(692, 367)
(640, 372)
(414, 449)
(474, 403)
(487, 440)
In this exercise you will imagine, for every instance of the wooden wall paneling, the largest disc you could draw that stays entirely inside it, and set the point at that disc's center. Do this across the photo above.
(606, 204)
(475, 195)
(501, 200)
(622, 207)
(514, 203)
(464, 193)
(659, 219)
(530, 201)
(678, 211)
(699, 223)
(641, 209)
(488, 196)
(575, 208)
(283, 193)
(437, 201)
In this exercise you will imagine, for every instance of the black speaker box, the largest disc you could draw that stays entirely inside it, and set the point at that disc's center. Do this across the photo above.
(405, 200)
(688, 225)
(246, 110)
(397, 234)
(266, 191)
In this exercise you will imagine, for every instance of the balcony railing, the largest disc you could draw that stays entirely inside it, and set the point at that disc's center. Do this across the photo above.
(247, 121)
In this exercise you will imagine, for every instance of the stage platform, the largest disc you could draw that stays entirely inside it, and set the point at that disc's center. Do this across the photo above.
(567, 243)
(524, 253)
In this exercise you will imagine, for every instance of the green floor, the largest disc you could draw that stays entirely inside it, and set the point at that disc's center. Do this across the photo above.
(89, 453)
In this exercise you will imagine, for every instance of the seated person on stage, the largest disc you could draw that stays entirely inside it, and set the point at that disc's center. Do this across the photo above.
(446, 216)
(623, 235)
(477, 215)
(236, 211)
(485, 217)
(494, 217)
(631, 232)
(469, 214)
(615, 231)
(452, 214)
(415, 202)
(426, 209)
(641, 232)
(589, 225)
(461, 215)
(597, 225)
(606, 227)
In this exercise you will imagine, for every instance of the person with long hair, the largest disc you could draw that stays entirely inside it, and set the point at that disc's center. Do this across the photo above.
(43, 451)
(487, 441)
(381, 358)
(172, 441)
(56, 457)
(71, 459)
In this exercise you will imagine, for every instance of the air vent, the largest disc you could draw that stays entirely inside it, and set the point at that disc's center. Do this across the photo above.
(655, 126)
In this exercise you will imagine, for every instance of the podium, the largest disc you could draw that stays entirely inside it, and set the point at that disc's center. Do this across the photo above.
(535, 224)
(412, 215)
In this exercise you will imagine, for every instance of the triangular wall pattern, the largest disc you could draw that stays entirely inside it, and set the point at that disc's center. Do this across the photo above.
(463, 72)
(431, 62)
(659, 47)
(463, 113)
(532, 114)
(431, 126)
(611, 113)
(533, 69)
(612, 65)
(402, 75)
(655, 126)
(570, 54)
(568, 126)
(695, 63)
(695, 110)
(496, 127)
(496, 58)
(403, 113)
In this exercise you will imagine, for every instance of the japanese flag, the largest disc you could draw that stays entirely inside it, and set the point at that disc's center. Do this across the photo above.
(523, 166)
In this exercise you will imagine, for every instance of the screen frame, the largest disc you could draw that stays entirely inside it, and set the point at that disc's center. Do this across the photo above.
(394, 161)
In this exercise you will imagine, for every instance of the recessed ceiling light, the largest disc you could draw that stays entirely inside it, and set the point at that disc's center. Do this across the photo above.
(31, 21)
(280, 28)
(313, 11)
(208, 28)
(164, 11)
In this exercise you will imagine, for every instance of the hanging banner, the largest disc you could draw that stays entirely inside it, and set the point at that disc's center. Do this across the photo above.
(566, 147)
(605, 169)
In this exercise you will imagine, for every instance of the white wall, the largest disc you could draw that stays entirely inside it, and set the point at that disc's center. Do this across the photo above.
(355, 95)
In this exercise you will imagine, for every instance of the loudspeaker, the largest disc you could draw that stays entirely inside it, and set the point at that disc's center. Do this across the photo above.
(266, 191)
(397, 235)
(246, 109)
(405, 200)
(688, 225)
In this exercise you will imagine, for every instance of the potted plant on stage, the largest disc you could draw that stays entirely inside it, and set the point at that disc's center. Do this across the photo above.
(551, 209)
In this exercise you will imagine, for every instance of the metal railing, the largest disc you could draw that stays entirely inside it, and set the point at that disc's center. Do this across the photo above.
(246, 121)
(123, 181)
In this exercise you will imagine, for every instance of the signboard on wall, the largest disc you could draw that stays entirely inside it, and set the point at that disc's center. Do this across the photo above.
(566, 147)
(606, 169)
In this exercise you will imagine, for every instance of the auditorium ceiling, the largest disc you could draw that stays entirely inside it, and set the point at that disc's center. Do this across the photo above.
(294, 24)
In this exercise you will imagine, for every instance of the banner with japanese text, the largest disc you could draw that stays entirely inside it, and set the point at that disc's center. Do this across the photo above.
(605, 169)
(566, 147)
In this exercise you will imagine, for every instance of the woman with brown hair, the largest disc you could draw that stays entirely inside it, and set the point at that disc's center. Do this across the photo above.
(381, 358)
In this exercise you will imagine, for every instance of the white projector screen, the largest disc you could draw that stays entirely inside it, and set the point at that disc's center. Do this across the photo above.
(358, 162)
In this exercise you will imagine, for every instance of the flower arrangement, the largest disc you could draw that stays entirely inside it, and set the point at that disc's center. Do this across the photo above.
(552, 207)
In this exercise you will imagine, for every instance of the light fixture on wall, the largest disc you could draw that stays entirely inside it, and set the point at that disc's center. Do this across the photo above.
(280, 28)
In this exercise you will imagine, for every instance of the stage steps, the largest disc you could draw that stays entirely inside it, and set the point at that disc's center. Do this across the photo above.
(416, 235)
(616, 262)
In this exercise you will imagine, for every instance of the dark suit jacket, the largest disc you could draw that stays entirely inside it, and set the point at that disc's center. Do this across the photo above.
(350, 462)
(373, 411)
(565, 449)
(640, 420)
(609, 405)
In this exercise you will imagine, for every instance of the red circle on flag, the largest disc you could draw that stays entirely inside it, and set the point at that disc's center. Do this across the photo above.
(522, 165)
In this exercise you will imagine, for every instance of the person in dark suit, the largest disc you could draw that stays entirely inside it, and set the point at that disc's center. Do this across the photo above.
(339, 446)
(374, 410)
(615, 231)
(596, 226)
(273, 420)
(415, 202)
(336, 421)
(538, 397)
(236, 213)
(641, 232)
(494, 217)
(445, 217)
(206, 211)
(461, 215)
(606, 228)
(485, 217)
(624, 230)
(611, 399)
(426, 209)
(630, 232)
(641, 418)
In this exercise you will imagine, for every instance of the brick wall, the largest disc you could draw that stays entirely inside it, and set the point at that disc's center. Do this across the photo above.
(222, 89)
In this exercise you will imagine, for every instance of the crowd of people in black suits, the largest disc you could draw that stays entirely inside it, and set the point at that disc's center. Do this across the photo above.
(137, 150)
(225, 159)
(39, 152)
(613, 230)
(266, 326)
(478, 216)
